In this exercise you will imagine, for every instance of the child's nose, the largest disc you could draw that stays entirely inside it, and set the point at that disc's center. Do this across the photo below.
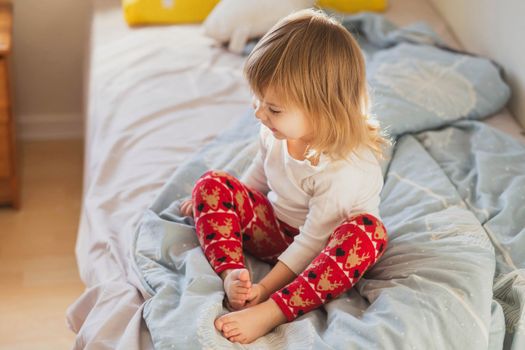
(259, 114)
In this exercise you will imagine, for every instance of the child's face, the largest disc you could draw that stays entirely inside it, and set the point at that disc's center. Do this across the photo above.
(286, 122)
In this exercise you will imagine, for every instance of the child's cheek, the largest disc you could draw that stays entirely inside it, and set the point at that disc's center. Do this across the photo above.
(292, 126)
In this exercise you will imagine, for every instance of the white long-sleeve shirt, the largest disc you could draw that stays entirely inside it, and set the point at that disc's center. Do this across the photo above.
(314, 199)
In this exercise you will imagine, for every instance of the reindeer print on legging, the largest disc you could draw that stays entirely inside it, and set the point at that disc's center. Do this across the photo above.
(211, 199)
(225, 230)
(297, 299)
(239, 199)
(353, 258)
(324, 282)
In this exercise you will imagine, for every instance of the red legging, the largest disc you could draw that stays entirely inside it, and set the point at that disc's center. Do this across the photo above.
(230, 216)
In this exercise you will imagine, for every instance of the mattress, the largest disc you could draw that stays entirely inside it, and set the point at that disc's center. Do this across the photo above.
(136, 135)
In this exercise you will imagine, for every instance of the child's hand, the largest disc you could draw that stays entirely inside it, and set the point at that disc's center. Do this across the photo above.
(258, 295)
(186, 208)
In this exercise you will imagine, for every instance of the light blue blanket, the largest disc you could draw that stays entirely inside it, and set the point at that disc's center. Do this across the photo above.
(452, 276)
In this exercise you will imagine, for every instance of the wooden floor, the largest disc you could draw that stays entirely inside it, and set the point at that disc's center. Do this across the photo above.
(38, 271)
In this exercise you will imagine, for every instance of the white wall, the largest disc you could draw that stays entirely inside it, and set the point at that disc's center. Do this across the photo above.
(50, 36)
(47, 67)
(495, 29)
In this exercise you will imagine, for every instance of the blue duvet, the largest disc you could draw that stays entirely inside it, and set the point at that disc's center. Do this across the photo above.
(453, 202)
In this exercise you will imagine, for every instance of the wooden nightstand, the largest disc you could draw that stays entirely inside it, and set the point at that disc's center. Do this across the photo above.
(9, 183)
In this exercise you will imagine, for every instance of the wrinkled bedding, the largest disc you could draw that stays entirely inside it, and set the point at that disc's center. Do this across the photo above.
(452, 276)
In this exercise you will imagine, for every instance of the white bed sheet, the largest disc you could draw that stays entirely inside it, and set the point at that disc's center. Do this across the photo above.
(146, 88)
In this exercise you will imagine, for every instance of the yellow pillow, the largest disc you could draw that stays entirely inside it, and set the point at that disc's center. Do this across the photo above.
(166, 11)
(353, 5)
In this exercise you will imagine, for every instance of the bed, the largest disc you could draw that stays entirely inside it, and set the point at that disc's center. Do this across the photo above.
(156, 97)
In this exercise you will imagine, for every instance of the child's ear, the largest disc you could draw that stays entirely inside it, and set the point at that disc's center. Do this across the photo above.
(255, 102)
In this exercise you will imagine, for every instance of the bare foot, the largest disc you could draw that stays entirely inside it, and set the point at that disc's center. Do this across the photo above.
(237, 286)
(247, 325)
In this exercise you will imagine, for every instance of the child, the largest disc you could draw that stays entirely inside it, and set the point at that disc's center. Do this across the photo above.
(308, 203)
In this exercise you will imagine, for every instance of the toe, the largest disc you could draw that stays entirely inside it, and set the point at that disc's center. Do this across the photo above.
(241, 290)
(244, 275)
(218, 324)
(241, 285)
(222, 321)
(245, 284)
(232, 332)
(234, 275)
(237, 339)
(229, 327)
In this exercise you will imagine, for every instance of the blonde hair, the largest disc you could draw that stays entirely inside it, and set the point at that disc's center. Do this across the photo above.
(312, 62)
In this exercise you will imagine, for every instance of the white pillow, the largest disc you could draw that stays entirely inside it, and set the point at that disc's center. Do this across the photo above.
(237, 21)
